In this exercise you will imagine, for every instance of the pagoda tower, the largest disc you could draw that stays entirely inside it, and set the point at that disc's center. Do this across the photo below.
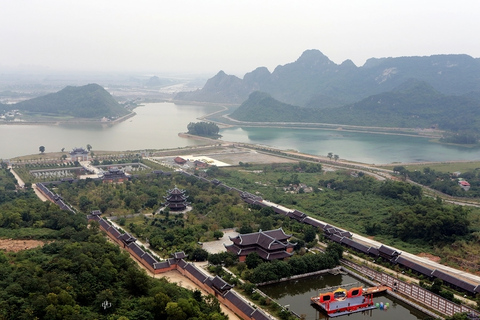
(176, 199)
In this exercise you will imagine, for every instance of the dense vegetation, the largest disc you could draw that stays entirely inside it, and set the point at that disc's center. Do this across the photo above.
(206, 129)
(445, 182)
(89, 101)
(395, 213)
(78, 274)
(213, 209)
(275, 270)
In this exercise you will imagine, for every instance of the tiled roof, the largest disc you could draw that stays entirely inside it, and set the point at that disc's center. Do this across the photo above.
(179, 255)
(239, 303)
(136, 249)
(336, 238)
(220, 284)
(182, 263)
(455, 281)
(388, 251)
(104, 224)
(414, 266)
(161, 265)
(259, 315)
(313, 222)
(114, 232)
(127, 238)
(355, 245)
(373, 250)
(195, 272)
(149, 259)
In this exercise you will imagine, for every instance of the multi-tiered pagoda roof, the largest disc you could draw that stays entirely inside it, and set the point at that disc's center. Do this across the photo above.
(270, 245)
(176, 199)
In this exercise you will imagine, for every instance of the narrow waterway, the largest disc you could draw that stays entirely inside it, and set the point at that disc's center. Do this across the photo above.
(297, 293)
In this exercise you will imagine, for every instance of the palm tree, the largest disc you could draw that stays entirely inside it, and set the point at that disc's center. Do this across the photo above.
(330, 155)
(336, 157)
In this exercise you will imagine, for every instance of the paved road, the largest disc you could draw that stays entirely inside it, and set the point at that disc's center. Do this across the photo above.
(20, 182)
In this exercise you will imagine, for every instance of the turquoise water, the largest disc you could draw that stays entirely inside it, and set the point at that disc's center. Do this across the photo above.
(297, 294)
(156, 126)
(362, 147)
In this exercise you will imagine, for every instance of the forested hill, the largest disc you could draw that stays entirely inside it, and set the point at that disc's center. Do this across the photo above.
(317, 82)
(261, 107)
(412, 104)
(89, 101)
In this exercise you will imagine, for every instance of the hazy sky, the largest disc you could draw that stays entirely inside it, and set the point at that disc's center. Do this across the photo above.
(195, 36)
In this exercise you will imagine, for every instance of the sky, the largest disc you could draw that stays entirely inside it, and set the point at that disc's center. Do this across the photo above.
(203, 37)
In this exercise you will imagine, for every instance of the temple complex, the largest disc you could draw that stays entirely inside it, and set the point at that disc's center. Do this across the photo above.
(79, 154)
(269, 245)
(114, 174)
(176, 199)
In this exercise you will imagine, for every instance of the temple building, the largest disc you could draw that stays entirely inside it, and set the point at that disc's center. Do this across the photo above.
(270, 245)
(79, 154)
(114, 174)
(176, 199)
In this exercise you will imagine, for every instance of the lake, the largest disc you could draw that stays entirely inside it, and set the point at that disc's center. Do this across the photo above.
(297, 294)
(156, 126)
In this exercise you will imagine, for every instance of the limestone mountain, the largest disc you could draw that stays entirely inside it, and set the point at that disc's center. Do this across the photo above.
(89, 101)
(222, 88)
(314, 81)
(410, 105)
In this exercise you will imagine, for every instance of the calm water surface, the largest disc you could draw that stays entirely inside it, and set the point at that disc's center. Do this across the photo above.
(297, 294)
(156, 126)
(361, 147)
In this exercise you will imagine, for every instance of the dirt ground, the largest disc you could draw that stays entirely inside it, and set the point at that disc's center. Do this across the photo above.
(429, 256)
(18, 245)
(176, 277)
(235, 155)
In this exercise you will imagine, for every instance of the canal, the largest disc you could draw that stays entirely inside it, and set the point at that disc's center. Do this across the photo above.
(296, 295)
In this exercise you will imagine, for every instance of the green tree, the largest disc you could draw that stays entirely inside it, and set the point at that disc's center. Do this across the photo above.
(253, 260)
(41, 149)
(199, 255)
(330, 155)
(217, 234)
(336, 157)
(309, 234)
(89, 147)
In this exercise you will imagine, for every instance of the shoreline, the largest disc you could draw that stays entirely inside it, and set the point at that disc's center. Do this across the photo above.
(411, 132)
(73, 121)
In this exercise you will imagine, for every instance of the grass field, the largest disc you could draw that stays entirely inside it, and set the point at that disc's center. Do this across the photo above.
(441, 166)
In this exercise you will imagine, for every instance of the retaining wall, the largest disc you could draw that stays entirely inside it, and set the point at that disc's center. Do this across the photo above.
(413, 291)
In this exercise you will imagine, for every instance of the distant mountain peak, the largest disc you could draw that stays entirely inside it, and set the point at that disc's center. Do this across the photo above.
(348, 64)
(313, 80)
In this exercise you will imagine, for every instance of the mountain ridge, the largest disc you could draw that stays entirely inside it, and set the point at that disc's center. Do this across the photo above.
(315, 81)
(412, 104)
